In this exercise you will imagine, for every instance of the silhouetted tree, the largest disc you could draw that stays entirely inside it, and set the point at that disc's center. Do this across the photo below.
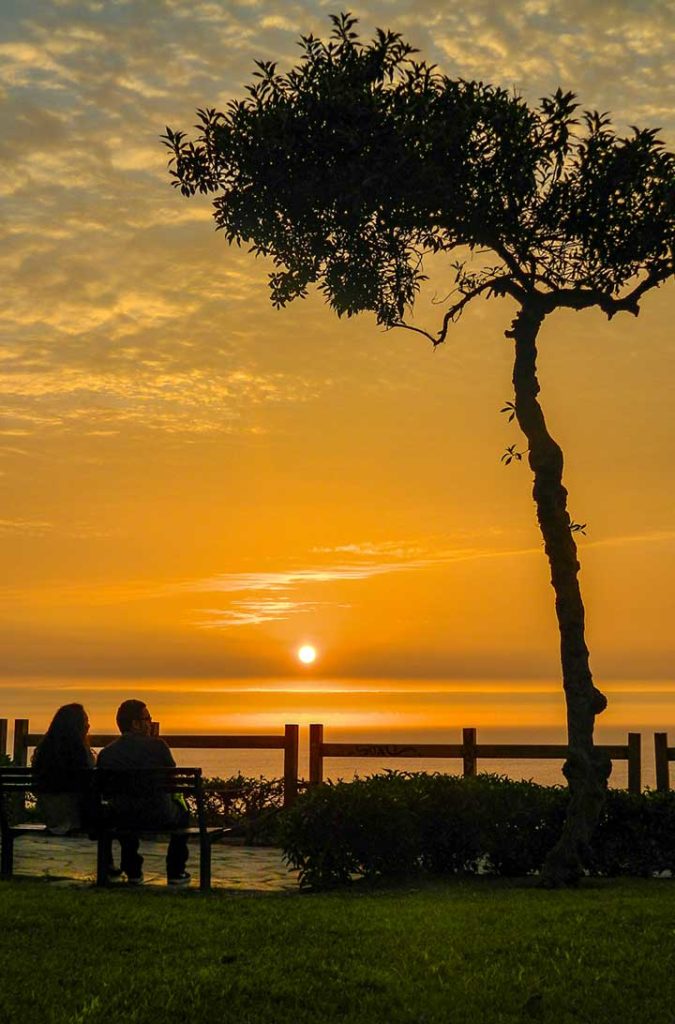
(351, 167)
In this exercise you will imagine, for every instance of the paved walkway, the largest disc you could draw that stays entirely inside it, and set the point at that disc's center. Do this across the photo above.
(67, 861)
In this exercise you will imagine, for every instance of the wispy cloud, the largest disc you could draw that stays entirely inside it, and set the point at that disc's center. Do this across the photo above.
(283, 583)
(140, 393)
(372, 563)
(291, 579)
(393, 549)
(651, 537)
(251, 613)
(414, 556)
(30, 527)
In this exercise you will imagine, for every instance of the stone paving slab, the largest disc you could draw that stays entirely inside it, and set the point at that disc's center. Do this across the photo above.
(73, 861)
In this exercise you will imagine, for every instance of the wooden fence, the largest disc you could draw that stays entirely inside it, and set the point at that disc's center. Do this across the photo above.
(288, 741)
(662, 755)
(468, 751)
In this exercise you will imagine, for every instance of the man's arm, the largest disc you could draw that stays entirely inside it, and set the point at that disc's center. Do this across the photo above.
(167, 756)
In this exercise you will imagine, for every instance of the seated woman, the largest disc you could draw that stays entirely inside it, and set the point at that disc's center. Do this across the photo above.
(64, 793)
(60, 756)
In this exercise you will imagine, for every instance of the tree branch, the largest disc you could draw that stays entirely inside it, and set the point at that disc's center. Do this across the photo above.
(495, 285)
(584, 298)
(512, 263)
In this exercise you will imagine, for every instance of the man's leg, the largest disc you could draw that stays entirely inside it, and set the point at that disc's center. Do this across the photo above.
(176, 856)
(131, 861)
(113, 872)
(178, 852)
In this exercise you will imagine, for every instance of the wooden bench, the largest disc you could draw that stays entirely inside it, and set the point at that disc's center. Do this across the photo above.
(103, 786)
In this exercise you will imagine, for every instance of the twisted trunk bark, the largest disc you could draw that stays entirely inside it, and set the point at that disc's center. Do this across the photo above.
(586, 769)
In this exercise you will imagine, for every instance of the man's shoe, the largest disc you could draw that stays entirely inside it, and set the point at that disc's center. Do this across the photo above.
(135, 879)
(114, 873)
(182, 879)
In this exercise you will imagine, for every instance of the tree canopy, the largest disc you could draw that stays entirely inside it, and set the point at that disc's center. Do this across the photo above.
(350, 167)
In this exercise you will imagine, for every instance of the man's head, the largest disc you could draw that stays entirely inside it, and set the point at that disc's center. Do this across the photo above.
(133, 716)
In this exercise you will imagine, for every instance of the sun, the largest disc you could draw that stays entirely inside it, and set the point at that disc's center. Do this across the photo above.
(307, 654)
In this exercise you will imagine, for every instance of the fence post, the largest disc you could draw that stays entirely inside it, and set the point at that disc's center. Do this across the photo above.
(20, 751)
(469, 751)
(3, 736)
(661, 761)
(315, 754)
(635, 763)
(291, 737)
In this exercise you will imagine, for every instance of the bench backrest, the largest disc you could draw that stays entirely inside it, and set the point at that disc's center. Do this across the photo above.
(16, 779)
(173, 780)
(130, 781)
(104, 783)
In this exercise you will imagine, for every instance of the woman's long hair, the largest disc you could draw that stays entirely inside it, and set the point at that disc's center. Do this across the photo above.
(64, 747)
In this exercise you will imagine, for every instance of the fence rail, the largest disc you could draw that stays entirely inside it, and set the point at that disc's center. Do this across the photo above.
(288, 741)
(469, 751)
(662, 755)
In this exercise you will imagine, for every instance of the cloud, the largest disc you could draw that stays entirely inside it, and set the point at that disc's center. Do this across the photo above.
(414, 556)
(291, 579)
(651, 537)
(137, 390)
(278, 21)
(251, 613)
(101, 259)
(30, 527)
(540, 44)
(393, 549)
(284, 584)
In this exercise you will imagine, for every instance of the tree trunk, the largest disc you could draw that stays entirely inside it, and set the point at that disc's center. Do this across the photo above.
(586, 768)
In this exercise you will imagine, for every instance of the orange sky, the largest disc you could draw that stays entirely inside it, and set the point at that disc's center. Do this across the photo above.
(194, 484)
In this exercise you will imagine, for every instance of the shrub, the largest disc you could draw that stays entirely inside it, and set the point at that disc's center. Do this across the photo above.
(635, 835)
(520, 822)
(249, 806)
(368, 827)
(400, 823)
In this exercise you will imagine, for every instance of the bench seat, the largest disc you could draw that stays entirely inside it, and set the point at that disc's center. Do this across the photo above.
(152, 833)
(31, 828)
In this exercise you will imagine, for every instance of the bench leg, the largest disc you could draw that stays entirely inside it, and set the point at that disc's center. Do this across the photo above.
(204, 865)
(7, 856)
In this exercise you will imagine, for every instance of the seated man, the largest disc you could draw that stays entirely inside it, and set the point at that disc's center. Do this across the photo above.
(148, 806)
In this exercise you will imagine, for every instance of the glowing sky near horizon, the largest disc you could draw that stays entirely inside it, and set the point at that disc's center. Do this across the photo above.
(192, 483)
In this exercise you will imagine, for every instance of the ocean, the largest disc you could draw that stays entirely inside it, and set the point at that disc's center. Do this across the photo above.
(363, 711)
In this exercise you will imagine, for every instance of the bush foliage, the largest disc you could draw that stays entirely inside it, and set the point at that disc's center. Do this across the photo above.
(250, 806)
(400, 823)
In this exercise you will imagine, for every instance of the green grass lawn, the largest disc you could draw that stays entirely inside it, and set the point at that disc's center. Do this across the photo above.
(466, 951)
